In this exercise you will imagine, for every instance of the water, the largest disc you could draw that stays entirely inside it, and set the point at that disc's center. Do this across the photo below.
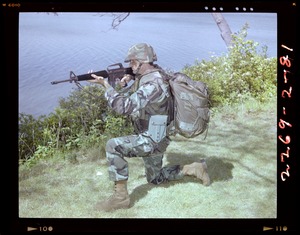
(50, 46)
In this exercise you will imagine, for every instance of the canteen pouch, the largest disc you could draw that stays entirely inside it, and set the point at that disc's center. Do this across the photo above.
(157, 127)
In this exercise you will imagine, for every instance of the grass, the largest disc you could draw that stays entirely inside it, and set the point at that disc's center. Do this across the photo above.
(240, 151)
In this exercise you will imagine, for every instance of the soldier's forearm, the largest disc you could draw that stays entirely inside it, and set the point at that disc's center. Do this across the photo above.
(106, 84)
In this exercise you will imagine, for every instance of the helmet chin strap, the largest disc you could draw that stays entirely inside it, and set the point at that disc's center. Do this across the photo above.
(138, 68)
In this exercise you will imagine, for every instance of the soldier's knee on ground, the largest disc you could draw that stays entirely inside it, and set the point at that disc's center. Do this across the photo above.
(110, 145)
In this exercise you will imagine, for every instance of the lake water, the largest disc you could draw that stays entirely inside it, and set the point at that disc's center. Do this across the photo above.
(50, 46)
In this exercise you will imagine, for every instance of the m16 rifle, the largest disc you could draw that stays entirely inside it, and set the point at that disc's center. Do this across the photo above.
(113, 73)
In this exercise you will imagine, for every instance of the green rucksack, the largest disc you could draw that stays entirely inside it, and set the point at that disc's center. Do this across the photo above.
(191, 106)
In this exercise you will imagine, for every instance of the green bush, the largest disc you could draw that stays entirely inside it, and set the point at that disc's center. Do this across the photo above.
(242, 72)
(30, 135)
(81, 120)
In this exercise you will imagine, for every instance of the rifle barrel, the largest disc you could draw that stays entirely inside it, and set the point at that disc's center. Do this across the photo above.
(60, 81)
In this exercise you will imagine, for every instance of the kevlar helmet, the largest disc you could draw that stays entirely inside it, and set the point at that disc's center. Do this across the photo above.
(142, 52)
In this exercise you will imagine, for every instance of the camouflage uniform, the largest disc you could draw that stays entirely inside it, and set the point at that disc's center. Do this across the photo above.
(149, 106)
(151, 97)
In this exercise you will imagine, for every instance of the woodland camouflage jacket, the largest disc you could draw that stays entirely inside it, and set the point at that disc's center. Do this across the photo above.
(150, 96)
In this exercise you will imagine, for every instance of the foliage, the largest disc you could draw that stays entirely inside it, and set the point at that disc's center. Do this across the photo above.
(242, 72)
(30, 135)
(81, 120)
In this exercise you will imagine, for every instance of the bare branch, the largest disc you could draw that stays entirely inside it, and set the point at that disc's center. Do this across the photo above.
(118, 19)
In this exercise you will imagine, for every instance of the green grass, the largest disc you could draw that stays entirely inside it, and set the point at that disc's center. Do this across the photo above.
(240, 151)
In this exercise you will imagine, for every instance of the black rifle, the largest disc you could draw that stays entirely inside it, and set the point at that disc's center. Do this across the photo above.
(113, 72)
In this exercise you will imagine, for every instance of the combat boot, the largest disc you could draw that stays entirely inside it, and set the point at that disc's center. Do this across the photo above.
(119, 199)
(198, 169)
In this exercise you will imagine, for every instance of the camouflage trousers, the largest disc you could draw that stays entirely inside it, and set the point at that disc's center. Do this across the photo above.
(140, 146)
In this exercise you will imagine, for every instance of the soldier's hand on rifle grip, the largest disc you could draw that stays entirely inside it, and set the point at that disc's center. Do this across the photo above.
(125, 80)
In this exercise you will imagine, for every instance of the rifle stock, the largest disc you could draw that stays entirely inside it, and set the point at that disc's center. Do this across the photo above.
(113, 72)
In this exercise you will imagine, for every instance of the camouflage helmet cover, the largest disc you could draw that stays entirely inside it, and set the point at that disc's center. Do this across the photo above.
(142, 52)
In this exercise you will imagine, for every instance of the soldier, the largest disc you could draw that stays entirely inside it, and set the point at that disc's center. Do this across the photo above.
(148, 106)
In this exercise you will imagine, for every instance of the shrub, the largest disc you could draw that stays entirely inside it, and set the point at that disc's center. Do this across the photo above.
(242, 72)
(81, 120)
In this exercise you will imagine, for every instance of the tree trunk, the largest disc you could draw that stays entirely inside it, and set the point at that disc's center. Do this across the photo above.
(224, 28)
